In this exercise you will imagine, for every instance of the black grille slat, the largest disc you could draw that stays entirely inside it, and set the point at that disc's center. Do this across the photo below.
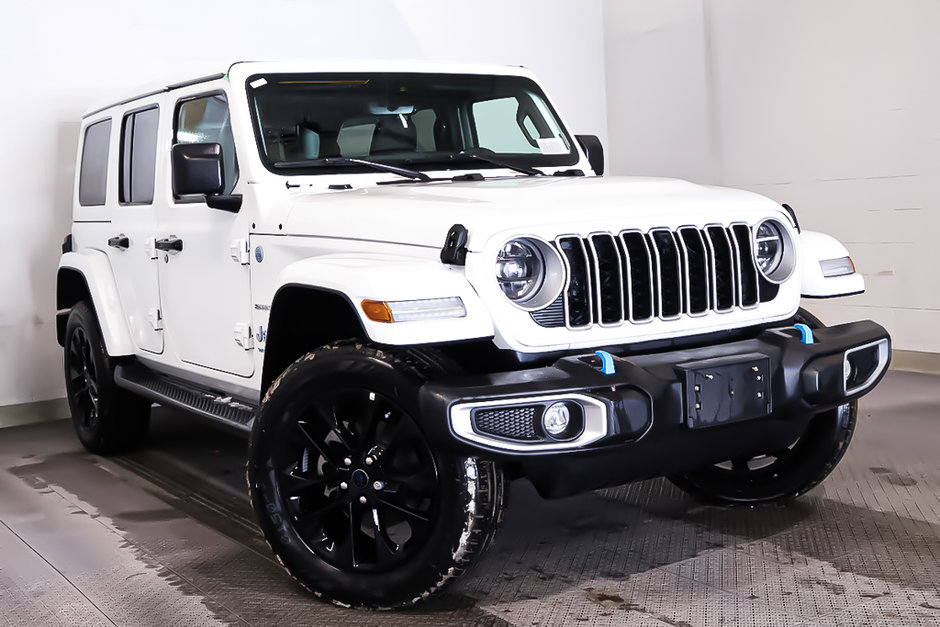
(513, 423)
(637, 276)
(608, 279)
(724, 278)
(578, 291)
(640, 270)
(670, 273)
(747, 270)
(698, 272)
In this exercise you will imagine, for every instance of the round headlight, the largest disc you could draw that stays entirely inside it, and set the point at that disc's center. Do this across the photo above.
(768, 247)
(774, 252)
(520, 270)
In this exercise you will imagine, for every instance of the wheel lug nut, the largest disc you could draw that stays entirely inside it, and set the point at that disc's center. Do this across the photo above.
(347, 461)
(343, 485)
(378, 485)
(363, 500)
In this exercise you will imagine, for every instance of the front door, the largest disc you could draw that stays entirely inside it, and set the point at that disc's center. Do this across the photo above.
(204, 273)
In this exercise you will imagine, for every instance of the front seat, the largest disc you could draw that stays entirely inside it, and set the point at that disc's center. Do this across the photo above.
(394, 133)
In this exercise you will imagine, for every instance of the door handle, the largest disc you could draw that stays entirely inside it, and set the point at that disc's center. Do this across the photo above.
(171, 243)
(121, 242)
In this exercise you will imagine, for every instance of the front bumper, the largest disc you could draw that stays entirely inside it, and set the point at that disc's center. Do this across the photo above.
(657, 414)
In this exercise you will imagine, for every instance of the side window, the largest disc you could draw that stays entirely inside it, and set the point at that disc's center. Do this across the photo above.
(206, 120)
(497, 128)
(93, 178)
(518, 125)
(138, 156)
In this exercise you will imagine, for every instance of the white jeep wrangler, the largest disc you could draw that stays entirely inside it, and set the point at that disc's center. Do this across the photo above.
(410, 282)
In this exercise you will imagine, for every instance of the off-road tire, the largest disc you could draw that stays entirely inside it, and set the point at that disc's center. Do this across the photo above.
(781, 476)
(107, 419)
(293, 441)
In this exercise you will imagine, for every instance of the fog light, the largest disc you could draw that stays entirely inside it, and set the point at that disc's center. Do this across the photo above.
(556, 419)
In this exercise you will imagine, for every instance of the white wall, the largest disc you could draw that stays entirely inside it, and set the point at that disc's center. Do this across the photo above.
(57, 58)
(832, 107)
(656, 89)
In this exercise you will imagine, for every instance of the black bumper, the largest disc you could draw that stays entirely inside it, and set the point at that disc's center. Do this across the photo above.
(669, 412)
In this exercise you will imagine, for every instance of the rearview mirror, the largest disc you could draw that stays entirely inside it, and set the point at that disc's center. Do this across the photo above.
(197, 169)
(594, 150)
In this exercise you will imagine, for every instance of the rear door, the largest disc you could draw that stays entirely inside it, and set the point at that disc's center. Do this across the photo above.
(130, 240)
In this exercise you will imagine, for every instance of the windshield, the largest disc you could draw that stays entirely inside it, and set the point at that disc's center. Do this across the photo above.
(422, 121)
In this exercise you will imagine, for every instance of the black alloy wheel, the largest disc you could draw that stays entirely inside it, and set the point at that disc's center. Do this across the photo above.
(359, 480)
(106, 418)
(780, 475)
(82, 380)
(349, 492)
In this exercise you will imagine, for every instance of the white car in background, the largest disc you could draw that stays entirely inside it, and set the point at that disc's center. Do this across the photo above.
(410, 282)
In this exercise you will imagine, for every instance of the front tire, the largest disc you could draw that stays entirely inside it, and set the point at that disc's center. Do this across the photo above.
(348, 492)
(782, 475)
(106, 418)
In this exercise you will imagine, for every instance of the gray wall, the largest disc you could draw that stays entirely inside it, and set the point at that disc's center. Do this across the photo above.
(831, 106)
(60, 57)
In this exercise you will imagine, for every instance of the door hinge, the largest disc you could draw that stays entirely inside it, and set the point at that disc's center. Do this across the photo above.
(151, 247)
(156, 319)
(243, 336)
(239, 251)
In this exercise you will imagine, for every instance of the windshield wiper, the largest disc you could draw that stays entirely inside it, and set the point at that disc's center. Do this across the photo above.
(468, 155)
(375, 165)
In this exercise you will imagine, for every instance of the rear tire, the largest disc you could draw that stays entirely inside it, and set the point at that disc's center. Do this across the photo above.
(107, 419)
(351, 497)
(778, 476)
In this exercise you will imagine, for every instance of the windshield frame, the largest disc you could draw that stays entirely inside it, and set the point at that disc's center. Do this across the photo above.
(447, 161)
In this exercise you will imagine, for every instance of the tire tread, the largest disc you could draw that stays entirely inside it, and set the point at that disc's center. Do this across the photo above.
(487, 502)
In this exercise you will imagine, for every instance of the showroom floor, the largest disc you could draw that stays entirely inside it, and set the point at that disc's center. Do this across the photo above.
(165, 537)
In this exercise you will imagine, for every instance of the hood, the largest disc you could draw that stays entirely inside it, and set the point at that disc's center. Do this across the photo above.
(421, 213)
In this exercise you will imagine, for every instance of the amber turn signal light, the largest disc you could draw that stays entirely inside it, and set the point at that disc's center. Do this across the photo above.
(377, 311)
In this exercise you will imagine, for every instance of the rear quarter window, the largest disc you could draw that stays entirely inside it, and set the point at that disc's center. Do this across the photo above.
(93, 178)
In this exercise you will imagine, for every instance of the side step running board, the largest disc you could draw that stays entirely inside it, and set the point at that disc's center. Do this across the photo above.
(161, 389)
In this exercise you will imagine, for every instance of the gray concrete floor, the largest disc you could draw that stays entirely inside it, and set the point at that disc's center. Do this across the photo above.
(165, 537)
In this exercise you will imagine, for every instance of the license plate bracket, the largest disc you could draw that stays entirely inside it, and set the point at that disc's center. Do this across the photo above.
(724, 390)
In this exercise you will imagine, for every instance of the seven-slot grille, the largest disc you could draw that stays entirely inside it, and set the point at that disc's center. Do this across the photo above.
(635, 276)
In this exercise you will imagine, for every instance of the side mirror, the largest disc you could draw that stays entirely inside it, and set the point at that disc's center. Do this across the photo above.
(197, 169)
(594, 150)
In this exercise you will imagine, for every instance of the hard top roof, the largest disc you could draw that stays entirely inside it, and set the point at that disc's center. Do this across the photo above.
(240, 70)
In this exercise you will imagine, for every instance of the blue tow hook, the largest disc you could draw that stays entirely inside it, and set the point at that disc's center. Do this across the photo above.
(806, 332)
(607, 362)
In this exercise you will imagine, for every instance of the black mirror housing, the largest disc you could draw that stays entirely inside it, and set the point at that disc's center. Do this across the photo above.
(594, 150)
(197, 169)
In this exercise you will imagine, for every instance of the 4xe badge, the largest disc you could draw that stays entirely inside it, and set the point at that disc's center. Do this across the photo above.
(259, 254)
